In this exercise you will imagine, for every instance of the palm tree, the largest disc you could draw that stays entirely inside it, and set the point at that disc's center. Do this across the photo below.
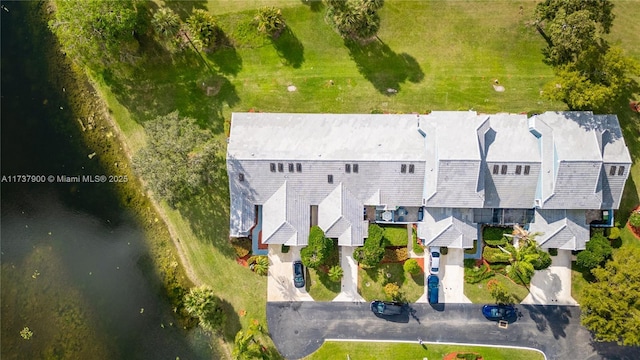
(202, 303)
(270, 21)
(166, 23)
(245, 346)
(525, 255)
(336, 273)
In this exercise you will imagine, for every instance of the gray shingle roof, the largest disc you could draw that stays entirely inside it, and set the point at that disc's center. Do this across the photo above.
(448, 227)
(560, 229)
(340, 215)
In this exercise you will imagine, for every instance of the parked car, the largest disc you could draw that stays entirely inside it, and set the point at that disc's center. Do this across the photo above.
(386, 307)
(298, 274)
(434, 260)
(499, 312)
(433, 283)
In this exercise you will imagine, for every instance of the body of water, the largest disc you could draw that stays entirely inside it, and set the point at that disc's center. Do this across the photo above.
(75, 268)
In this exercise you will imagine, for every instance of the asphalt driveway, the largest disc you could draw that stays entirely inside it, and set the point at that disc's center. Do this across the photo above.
(299, 328)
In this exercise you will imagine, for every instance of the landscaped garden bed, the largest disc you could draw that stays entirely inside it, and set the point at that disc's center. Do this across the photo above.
(319, 284)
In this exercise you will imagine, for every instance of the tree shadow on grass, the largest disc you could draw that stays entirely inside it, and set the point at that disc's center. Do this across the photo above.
(226, 57)
(381, 66)
(232, 321)
(185, 8)
(208, 213)
(289, 48)
(314, 5)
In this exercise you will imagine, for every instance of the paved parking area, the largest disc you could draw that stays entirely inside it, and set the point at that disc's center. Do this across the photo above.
(452, 277)
(280, 278)
(349, 290)
(552, 286)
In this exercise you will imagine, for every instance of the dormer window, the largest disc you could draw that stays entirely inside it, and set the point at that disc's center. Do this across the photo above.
(272, 167)
(403, 168)
(612, 170)
(298, 167)
(347, 168)
(503, 171)
(621, 171)
(412, 168)
(518, 169)
(241, 177)
(355, 168)
(527, 168)
(330, 179)
(496, 169)
(290, 167)
(280, 167)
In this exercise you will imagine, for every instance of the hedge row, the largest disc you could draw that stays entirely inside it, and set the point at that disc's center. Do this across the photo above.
(495, 255)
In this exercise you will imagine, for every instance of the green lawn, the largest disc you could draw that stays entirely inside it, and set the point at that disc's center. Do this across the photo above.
(372, 281)
(579, 279)
(628, 238)
(402, 351)
(395, 235)
(479, 294)
(320, 287)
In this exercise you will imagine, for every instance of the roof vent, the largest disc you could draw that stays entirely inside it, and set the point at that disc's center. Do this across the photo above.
(537, 203)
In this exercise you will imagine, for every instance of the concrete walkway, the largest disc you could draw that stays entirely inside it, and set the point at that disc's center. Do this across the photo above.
(349, 290)
(552, 286)
(280, 278)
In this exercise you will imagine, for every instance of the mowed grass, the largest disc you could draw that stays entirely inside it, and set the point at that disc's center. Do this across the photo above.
(396, 236)
(320, 287)
(371, 282)
(479, 293)
(405, 351)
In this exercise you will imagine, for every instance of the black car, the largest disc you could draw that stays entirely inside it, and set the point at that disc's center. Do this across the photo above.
(499, 312)
(386, 307)
(298, 274)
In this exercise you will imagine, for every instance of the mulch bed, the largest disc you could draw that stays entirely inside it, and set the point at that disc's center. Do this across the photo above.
(634, 230)
(452, 356)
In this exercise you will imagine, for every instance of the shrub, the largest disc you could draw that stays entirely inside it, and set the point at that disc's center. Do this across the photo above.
(242, 246)
(373, 251)
(553, 252)
(259, 264)
(444, 250)
(412, 267)
(598, 250)
(500, 242)
(614, 233)
(495, 255)
(541, 262)
(202, 28)
(477, 274)
(395, 254)
(319, 249)
(634, 219)
(495, 232)
(468, 356)
(202, 303)
(499, 292)
(392, 290)
(473, 249)
(284, 248)
(336, 273)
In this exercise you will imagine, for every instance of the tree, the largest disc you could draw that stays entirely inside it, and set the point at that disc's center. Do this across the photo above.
(595, 81)
(526, 257)
(245, 347)
(392, 290)
(318, 250)
(202, 303)
(270, 21)
(355, 19)
(166, 23)
(611, 304)
(178, 160)
(570, 35)
(599, 11)
(372, 252)
(202, 29)
(598, 250)
(98, 33)
(499, 292)
(336, 273)
(412, 267)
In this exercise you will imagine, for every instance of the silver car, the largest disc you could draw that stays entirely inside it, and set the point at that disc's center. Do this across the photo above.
(434, 260)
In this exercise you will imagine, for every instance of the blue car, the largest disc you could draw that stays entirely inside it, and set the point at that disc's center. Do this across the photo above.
(298, 274)
(499, 312)
(433, 283)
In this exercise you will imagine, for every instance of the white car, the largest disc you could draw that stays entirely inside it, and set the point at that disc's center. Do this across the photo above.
(434, 260)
